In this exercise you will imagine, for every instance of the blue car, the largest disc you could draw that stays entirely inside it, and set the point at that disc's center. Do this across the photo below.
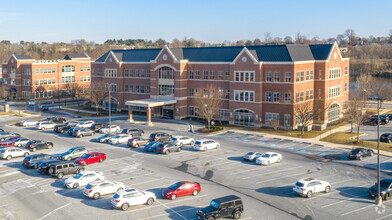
(152, 146)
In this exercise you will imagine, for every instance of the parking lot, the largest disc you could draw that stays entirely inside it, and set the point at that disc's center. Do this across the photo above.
(266, 190)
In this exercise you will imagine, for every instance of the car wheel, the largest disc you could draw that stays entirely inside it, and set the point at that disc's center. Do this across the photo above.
(33, 149)
(19, 145)
(268, 163)
(173, 197)
(119, 189)
(360, 158)
(50, 146)
(106, 132)
(167, 152)
(75, 185)
(309, 194)
(81, 170)
(141, 134)
(210, 218)
(237, 215)
(136, 145)
(279, 160)
(26, 154)
(80, 136)
(43, 128)
(124, 206)
(68, 158)
(84, 163)
(371, 154)
(205, 149)
(179, 149)
(150, 201)
(181, 144)
(327, 189)
(192, 142)
(35, 166)
(195, 192)
(60, 175)
(92, 133)
(50, 171)
(96, 196)
(217, 146)
(2, 139)
(155, 150)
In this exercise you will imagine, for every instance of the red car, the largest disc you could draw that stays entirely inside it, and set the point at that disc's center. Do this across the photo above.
(90, 158)
(7, 144)
(179, 189)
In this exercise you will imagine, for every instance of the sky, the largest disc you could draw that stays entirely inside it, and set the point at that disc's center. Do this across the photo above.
(211, 21)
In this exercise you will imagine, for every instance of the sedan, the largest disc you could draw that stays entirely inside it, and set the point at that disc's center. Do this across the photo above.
(105, 138)
(130, 197)
(21, 142)
(35, 145)
(251, 156)
(183, 140)
(85, 124)
(387, 137)
(28, 123)
(138, 141)
(112, 129)
(152, 146)
(360, 153)
(168, 148)
(43, 108)
(90, 158)
(268, 158)
(120, 138)
(179, 189)
(82, 179)
(98, 188)
(385, 189)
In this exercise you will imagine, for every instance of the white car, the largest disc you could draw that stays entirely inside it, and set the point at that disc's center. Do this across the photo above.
(98, 188)
(27, 123)
(85, 124)
(307, 187)
(113, 129)
(251, 156)
(45, 125)
(182, 140)
(130, 197)
(205, 145)
(11, 152)
(268, 158)
(83, 178)
(31, 102)
(120, 138)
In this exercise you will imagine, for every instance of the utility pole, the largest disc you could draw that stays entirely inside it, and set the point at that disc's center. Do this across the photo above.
(379, 198)
(110, 109)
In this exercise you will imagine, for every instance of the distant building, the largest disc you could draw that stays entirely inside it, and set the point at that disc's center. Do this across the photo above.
(260, 83)
(23, 74)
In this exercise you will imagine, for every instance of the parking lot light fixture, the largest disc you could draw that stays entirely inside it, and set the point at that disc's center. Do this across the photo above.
(378, 198)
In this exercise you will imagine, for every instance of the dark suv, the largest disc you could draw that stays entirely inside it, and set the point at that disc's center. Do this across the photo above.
(387, 137)
(64, 168)
(80, 132)
(385, 189)
(44, 166)
(33, 161)
(38, 145)
(160, 137)
(360, 153)
(56, 120)
(133, 131)
(96, 126)
(228, 206)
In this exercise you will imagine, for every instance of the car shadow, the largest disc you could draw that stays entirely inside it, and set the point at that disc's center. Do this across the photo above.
(384, 166)
(157, 192)
(281, 191)
(142, 151)
(339, 157)
(58, 183)
(101, 203)
(179, 212)
(241, 160)
(72, 193)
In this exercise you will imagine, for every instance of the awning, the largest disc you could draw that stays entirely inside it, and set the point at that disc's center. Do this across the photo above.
(151, 102)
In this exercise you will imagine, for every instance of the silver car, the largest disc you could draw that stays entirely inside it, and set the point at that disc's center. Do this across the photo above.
(251, 156)
(21, 142)
(11, 152)
(27, 123)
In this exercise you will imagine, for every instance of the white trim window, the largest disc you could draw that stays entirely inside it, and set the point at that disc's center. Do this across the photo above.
(190, 74)
(268, 96)
(244, 76)
(334, 73)
(287, 119)
(307, 75)
(297, 78)
(220, 75)
(287, 76)
(268, 77)
(311, 75)
(334, 92)
(345, 87)
(112, 73)
(276, 97)
(271, 116)
(287, 97)
(191, 92)
(276, 76)
(244, 96)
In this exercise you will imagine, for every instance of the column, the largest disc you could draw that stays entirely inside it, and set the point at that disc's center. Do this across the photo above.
(148, 116)
(130, 117)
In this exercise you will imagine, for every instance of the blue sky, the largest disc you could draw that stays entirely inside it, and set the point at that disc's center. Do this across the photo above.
(210, 21)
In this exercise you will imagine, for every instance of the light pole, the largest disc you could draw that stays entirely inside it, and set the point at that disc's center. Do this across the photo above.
(378, 199)
(110, 109)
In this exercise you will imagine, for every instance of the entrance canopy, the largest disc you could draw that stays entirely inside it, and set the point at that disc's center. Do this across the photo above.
(148, 103)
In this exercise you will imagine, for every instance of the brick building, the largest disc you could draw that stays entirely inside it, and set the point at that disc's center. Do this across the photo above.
(260, 83)
(23, 75)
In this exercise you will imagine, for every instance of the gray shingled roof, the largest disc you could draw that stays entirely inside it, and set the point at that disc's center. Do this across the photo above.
(23, 57)
(299, 52)
(75, 56)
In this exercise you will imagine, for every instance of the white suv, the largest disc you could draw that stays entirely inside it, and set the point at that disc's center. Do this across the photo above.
(130, 197)
(10, 152)
(307, 187)
(120, 138)
(113, 129)
(205, 145)
(98, 188)
(45, 125)
(83, 178)
(85, 124)
(182, 140)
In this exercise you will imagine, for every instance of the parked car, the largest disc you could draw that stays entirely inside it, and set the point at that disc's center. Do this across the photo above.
(160, 137)
(179, 189)
(45, 125)
(228, 206)
(12, 138)
(106, 137)
(62, 168)
(387, 137)
(43, 167)
(35, 145)
(56, 120)
(133, 131)
(137, 142)
(62, 128)
(31, 102)
(98, 188)
(33, 161)
(389, 116)
(21, 142)
(268, 158)
(385, 189)
(120, 138)
(152, 146)
(5, 135)
(85, 124)
(2, 130)
(6, 143)
(360, 153)
(251, 156)
(82, 179)
(370, 121)
(83, 132)
(73, 153)
(98, 125)
(183, 140)
(43, 108)
(205, 145)
(309, 186)
(113, 129)
(28, 123)
(383, 118)
(10, 152)
(168, 148)
(70, 131)
(131, 197)
(90, 158)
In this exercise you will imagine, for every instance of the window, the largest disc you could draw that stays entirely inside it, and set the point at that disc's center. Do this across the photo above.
(271, 116)
(297, 97)
(136, 73)
(268, 77)
(224, 114)
(190, 74)
(197, 74)
(307, 75)
(227, 75)
(334, 92)
(227, 94)
(49, 70)
(268, 96)
(344, 105)
(67, 68)
(147, 89)
(244, 117)
(345, 70)
(334, 73)
(297, 77)
(81, 69)
(53, 70)
(141, 89)
(205, 75)
(111, 73)
(345, 87)
(333, 112)
(311, 75)
(141, 73)
(240, 95)
(220, 75)
(148, 73)
(192, 111)
(276, 96)
(276, 76)
(307, 95)
(191, 92)
(287, 97)
(319, 93)
(137, 89)
(166, 90)
(166, 73)
(302, 76)
(212, 75)
(301, 97)
(130, 88)
(126, 73)
(125, 88)
(130, 73)
(36, 71)
(41, 71)
(244, 76)
(287, 77)
(311, 94)
(287, 119)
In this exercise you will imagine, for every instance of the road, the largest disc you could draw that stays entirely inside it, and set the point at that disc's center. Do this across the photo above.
(266, 190)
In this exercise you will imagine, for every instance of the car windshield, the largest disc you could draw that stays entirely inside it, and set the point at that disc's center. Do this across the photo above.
(108, 126)
(89, 186)
(214, 204)
(2, 151)
(197, 143)
(175, 186)
(69, 151)
(77, 176)
(299, 184)
(384, 184)
(105, 136)
(250, 153)
(266, 155)
(152, 135)
(118, 136)
(86, 156)
(174, 139)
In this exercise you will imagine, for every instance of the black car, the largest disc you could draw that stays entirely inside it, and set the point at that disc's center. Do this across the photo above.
(160, 137)
(387, 137)
(96, 126)
(168, 148)
(383, 119)
(60, 169)
(33, 161)
(385, 189)
(133, 131)
(62, 128)
(38, 145)
(370, 121)
(360, 153)
(83, 132)
(43, 167)
(228, 206)
(43, 108)
(56, 120)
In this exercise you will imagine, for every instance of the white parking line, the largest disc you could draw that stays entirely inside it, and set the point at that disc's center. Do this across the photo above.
(283, 170)
(54, 210)
(148, 181)
(171, 210)
(359, 209)
(9, 174)
(281, 178)
(384, 217)
(362, 195)
(341, 191)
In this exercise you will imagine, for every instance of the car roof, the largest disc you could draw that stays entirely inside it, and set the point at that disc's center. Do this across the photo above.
(226, 198)
(122, 192)
(271, 152)
(306, 180)
(387, 134)
(94, 153)
(202, 140)
(87, 172)
(389, 180)
(63, 162)
(99, 182)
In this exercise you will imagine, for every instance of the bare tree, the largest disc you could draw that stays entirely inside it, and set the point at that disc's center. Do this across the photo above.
(208, 102)
(351, 36)
(274, 124)
(364, 85)
(306, 111)
(288, 40)
(356, 110)
(38, 93)
(98, 94)
(4, 92)
(267, 37)
(77, 91)
(381, 89)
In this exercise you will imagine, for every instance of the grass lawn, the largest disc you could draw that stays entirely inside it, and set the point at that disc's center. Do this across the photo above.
(346, 139)
(84, 114)
(13, 113)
